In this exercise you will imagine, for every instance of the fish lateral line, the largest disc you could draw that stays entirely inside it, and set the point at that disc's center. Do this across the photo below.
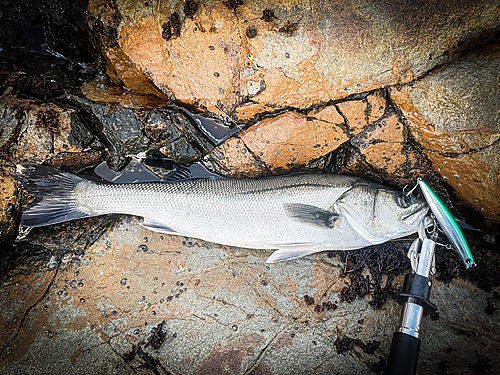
(297, 210)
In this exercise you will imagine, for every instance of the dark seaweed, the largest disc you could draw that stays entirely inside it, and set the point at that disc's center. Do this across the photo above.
(157, 337)
(308, 300)
(346, 344)
(251, 32)
(131, 355)
(381, 260)
(288, 28)
(37, 86)
(48, 119)
(268, 15)
(172, 28)
(233, 4)
(190, 8)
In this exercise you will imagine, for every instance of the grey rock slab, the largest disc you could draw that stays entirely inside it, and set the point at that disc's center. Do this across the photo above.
(233, 314)
(70, 352)
(464, 97)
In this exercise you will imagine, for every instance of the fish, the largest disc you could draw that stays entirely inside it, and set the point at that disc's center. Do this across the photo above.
(448, 224)
(293, 216)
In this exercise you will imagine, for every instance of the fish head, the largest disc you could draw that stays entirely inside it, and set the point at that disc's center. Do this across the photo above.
(379, 214)
(397, 209)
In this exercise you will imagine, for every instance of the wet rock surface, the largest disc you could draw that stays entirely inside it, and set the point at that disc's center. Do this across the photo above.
(279, 55)
(387, 92)
(141, 301)
(454, 116)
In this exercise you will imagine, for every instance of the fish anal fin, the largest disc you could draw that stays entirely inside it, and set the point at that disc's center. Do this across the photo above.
(311, 214)
(293, 251)
(156, 226)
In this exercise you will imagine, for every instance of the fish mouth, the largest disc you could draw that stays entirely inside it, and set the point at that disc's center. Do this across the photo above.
(417, 208)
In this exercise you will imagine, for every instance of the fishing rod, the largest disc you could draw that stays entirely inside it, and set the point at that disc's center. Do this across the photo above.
(414, 297)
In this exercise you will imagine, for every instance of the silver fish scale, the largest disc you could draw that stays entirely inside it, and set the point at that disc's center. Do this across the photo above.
(245, 213)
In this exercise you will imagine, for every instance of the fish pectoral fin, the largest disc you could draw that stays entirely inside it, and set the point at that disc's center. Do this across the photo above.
(156, 226)
(293, 251)
(313, 215)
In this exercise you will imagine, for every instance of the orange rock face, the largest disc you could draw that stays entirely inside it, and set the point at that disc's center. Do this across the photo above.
(360, 113)
(284, 142)
(221, 56)
(383, 147)
(8, 201)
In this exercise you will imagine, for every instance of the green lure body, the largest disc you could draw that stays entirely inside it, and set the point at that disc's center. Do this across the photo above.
(448, 224)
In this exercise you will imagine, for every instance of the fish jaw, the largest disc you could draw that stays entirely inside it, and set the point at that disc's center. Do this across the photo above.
(415, 213)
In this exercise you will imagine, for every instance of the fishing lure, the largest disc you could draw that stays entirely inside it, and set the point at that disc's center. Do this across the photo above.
(448, 224)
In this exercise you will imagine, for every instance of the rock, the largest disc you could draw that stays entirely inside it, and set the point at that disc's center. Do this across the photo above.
(132, 131)
(9, 207)
(265, 56)
(453, 114)
(138, 299)
(282, 143)
(360, 113)
(33, 132)
(176, 136)
(384, 147)
(380, 91)
(47, 28)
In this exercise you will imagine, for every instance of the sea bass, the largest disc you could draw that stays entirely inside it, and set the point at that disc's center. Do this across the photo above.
(293, 215)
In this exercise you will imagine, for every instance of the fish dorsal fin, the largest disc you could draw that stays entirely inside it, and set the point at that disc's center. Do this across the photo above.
(179, 173)
(172, 171)
(156, 226)
(311, 214)
(293, 251)
(133, 172)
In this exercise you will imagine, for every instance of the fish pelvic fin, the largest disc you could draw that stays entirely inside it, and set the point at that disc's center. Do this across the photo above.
(311, 214)
(293, 251)
(53, 192)
(157, 226)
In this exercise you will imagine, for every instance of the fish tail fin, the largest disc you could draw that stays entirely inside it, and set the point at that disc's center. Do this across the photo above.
(53, 191)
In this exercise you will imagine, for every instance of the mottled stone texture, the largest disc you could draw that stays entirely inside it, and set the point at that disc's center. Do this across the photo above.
(31, 132)
(281, 143)
(142, 302)
(454, 115)
(222, 55)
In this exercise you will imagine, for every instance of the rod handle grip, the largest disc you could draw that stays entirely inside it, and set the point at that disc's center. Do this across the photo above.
(403, 356)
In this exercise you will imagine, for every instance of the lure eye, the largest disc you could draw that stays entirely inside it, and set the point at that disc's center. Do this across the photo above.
(405, 200)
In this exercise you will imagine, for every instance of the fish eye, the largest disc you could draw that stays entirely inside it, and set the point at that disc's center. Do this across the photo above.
(405, 200)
